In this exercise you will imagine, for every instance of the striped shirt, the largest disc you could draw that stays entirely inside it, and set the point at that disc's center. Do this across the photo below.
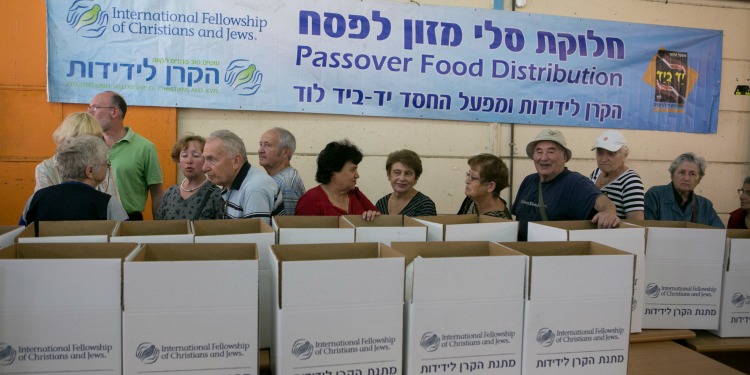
(419, 205)
(626, 191)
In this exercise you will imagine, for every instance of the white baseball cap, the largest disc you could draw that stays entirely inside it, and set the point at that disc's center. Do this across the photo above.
(610, 140)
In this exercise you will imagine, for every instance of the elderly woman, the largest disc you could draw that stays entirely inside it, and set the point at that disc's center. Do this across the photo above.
(195, 198)
(403, 169)
(82, 164)
(78, 123)
(677, 200)
(739, 219)
(621, 184)
(337, 193)
(486, 178)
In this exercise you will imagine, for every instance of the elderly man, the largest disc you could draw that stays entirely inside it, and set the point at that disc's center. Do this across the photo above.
(135, 162)
(248, 192)
(275, 151)
(82, 163)
(554, 192)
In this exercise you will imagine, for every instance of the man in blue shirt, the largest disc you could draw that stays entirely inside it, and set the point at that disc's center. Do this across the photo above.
(565, 195)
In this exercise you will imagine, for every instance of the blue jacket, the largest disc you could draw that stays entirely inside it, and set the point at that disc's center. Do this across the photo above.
(661, 205)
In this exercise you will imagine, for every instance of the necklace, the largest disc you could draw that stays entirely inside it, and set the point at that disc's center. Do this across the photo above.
(193, 189)
(336, 201)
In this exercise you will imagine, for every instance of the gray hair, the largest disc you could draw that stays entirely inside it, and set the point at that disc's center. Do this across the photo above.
(77, 153)
(690, 157)
(286, 140)
(232, 142)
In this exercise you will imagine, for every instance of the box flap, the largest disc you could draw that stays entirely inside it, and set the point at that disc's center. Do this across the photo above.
(326, 275)
(8, 234)
(682, 244)
(153, 228)
(62, 276)
(546, 231)
(68, 231)
(585, 270)
(203, 228)
(191, 276)
(738, 255)
(464, 271)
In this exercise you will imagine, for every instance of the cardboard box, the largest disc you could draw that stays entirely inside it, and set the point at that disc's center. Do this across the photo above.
(683, 274)
(312, 229)
(625, 237)
(463, 307)
(8, 234)
(255, 231)
(68, 231)
(337, 306)
(734, 320)
(156, 231)
(60, 308)
(577, 315)
(469, 228)
(386, 229)
(191, 308)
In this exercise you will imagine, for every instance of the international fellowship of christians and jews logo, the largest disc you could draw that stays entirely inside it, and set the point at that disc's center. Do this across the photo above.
(244, 78)
(652, 290)
(738, 299)
(302, 349)
(87, 18)
(545, 337)
(7, 354)
(147, 353)
(430, 341)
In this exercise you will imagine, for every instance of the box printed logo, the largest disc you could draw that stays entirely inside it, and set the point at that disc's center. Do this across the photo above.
(430, 341)
(7, 354)
(302, 349)
(652, 290)
(147, 353)
(739, 299)
(87, 18)
(545, 337)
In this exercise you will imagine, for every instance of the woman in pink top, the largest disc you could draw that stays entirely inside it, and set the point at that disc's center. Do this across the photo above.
(337, 193)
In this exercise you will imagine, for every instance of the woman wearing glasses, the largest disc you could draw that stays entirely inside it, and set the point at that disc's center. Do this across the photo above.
(677, 200)
(76, 124)
(195, 198)
(486, 178)
(739, 219)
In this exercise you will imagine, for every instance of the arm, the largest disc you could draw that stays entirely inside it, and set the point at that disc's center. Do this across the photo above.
(651, 205)
(606, 216)
(634, 215)
(157, 193)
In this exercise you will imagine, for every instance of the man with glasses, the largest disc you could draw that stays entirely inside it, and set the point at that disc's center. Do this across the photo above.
(135, 162)
(554, 192)
(247, 191)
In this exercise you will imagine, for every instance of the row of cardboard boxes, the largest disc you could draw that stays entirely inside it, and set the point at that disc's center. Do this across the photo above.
(681, 259)
(354, 308)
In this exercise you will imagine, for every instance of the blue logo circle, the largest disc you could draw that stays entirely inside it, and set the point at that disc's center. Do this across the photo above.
(147, 353)
(652, 290)
(7, 354)
(430, 341)
(244, 78)
(302, 349)
(738, 299)
(545, 337)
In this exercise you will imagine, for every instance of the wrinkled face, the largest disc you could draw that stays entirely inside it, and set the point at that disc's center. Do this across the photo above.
(549, 159)
(346, 178)
(270, 155)
(219, 166)
(102, 109)
(475, 188)
(745, 198)
(609, 161)
(191, 160)
(401, 177)
(686, 177)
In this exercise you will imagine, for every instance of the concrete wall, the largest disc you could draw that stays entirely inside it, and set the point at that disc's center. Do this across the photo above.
(445, 145)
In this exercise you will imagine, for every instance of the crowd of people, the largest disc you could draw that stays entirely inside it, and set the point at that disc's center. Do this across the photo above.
(104, 170)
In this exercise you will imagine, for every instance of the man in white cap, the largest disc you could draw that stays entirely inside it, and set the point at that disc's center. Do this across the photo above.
(554, 192)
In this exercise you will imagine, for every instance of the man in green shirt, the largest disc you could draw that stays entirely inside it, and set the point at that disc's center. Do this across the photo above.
(134, 160)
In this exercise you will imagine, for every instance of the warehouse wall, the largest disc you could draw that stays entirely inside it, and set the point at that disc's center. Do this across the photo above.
(27, 121)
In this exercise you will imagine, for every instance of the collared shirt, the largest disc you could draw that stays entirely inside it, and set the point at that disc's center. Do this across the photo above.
(253, 194)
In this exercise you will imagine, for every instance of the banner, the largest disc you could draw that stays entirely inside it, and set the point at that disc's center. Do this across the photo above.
(381, 58)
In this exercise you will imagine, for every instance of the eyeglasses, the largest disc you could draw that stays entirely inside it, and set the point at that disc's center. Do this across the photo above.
(94, 108)
(742, 191)
(472, 178)
(109, 164)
